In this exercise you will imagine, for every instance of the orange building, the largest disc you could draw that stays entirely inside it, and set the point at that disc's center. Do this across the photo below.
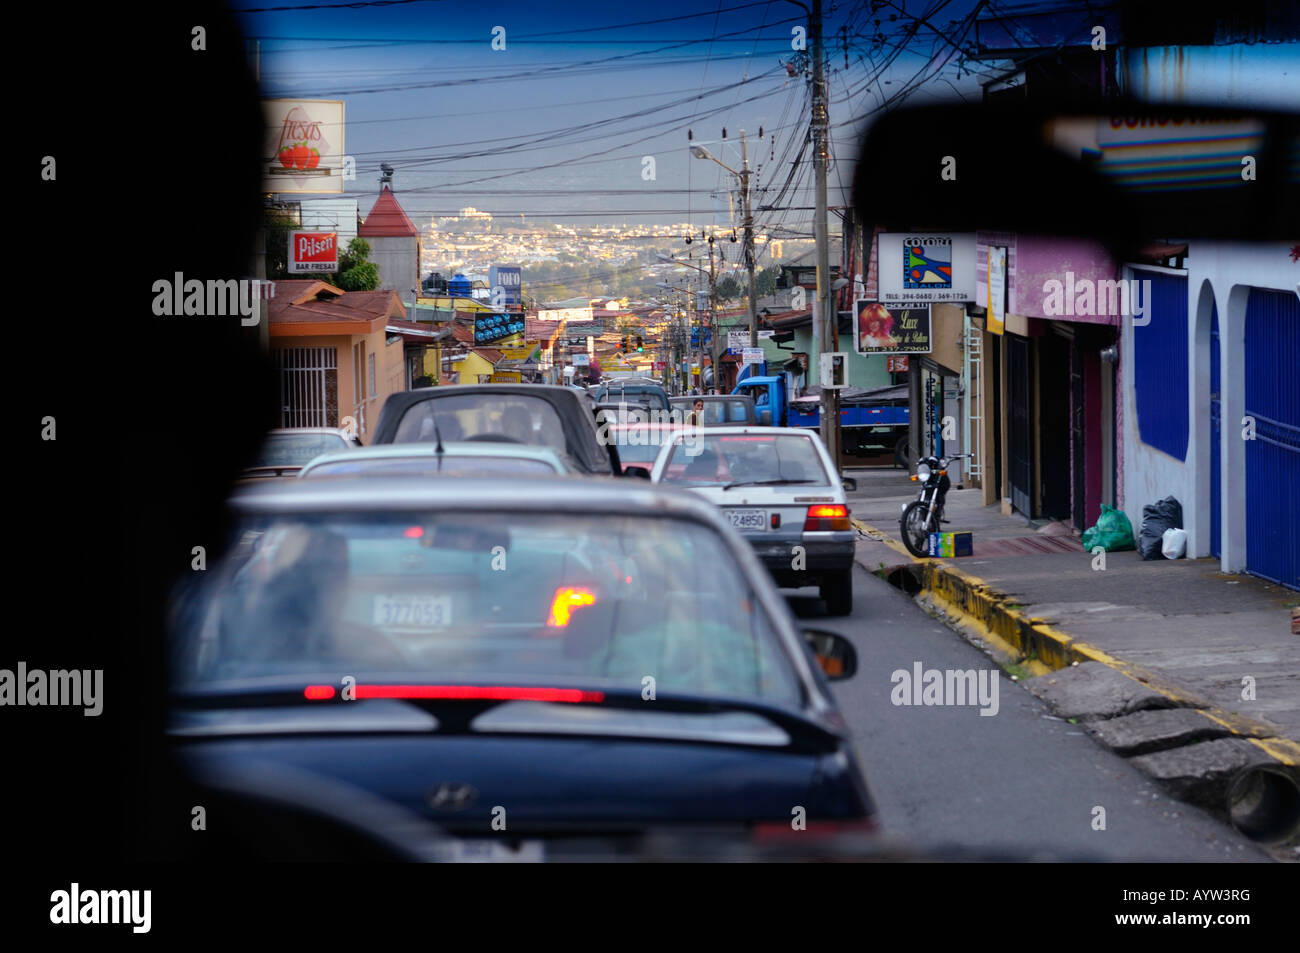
(335, 356)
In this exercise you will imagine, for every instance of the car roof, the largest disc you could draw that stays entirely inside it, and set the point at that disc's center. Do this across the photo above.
(573, 409)
(542, 494)
(457, 448)
(334, 431)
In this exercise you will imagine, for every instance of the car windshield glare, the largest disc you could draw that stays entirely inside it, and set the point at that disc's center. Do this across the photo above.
(721, 459)
(448, 597)
(296, 449)
(517, 417)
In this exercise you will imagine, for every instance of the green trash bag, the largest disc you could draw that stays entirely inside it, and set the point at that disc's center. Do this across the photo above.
(1112, 532)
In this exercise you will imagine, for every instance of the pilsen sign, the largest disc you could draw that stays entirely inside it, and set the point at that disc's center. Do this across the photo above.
(303, 150)
(311, 252)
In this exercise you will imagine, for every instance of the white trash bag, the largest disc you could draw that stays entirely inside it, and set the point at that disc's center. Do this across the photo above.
(1174, 543)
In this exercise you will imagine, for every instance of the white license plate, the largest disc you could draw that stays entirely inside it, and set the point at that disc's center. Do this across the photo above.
(748, 519)
(413, 610)
(489, 852)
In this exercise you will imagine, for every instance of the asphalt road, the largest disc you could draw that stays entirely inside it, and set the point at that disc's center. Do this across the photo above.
(1019, 783)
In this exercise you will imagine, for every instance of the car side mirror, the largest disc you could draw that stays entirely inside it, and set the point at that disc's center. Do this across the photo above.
(640, 472)
(834, 653)
(850, 484)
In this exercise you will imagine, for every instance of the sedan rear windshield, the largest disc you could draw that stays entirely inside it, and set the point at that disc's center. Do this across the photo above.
(432, 465)
(519, 417)
(296, 449)
(716, 460)
(442, 597)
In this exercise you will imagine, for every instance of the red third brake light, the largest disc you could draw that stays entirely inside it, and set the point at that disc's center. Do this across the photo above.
(825, 516)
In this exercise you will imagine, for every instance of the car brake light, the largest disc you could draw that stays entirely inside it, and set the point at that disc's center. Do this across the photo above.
(566, 599)
(823, 516)
(490, 692)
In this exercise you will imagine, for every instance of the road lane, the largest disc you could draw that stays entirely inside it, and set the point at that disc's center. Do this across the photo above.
(1020, 780)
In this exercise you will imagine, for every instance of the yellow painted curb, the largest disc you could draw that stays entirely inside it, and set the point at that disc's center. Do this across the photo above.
(982, 608)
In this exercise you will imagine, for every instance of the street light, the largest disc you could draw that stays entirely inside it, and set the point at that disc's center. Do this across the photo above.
(700, 152)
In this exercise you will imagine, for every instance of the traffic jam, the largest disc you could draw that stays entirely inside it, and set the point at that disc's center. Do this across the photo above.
(567, 607)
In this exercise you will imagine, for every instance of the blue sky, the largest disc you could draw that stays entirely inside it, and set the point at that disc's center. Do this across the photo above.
(558, 123)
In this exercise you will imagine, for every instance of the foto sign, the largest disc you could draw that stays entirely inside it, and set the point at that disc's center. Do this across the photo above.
(926, 267)
(510, 282)
(313, 252)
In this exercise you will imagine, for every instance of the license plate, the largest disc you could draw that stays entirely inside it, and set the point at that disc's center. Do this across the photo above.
(489, 852)
(748, 519)
(413, 610)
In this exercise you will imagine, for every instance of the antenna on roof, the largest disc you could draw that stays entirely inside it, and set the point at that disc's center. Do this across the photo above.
(387, 177)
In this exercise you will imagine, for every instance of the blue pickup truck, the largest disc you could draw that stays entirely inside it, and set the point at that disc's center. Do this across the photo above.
(871, 421)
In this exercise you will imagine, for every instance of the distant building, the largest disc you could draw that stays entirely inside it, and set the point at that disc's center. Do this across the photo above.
(334, 215)
(394, 244)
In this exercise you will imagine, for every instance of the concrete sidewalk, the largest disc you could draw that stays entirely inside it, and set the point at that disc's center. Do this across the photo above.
(1173, 634)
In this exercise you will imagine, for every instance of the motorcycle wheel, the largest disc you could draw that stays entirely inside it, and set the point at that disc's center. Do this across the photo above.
(915, 528)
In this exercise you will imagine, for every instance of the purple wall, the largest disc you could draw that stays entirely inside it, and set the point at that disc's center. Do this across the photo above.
(1040, 259)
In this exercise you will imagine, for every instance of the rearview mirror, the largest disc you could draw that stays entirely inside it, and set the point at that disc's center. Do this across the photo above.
(1074, 160)
(834, 653)
(639, 472)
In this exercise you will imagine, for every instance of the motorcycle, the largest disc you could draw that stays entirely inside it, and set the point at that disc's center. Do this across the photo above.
(924, 515)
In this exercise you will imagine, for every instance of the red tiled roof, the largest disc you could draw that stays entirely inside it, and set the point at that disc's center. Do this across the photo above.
(490, 354)
(348, 311)
(387, 219)
(462, 334)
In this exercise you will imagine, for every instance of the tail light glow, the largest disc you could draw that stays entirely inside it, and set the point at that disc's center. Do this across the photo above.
(826, 516)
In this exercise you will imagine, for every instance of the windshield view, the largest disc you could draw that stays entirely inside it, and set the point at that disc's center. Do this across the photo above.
(520, 418)
(424, 596)
(736, 458)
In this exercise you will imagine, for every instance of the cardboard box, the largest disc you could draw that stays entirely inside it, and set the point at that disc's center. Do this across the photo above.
(949, 545)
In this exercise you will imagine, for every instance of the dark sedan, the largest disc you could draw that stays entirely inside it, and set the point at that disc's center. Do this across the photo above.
(519, 664)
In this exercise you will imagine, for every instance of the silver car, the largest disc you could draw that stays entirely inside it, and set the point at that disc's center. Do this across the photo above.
(778, 487)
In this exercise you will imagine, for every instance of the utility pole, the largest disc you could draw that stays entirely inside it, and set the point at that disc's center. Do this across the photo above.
(830, 336)
(713, 322)
(748, 199)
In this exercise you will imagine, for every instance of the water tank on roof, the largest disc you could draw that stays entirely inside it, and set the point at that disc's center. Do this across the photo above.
(459, 286)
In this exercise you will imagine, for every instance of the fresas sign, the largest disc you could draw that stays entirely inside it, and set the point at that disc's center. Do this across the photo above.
(311, 252)
(303, 149)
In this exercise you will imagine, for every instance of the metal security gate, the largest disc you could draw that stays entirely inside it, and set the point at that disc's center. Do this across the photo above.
(1216, 440)
(1273, 456)
(308, 386)
(1020, 448)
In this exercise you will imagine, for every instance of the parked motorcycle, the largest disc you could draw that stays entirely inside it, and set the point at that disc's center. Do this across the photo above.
(924, 515)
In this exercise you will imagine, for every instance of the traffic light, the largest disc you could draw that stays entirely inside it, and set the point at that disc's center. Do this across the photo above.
(640, 343)
(625, 344)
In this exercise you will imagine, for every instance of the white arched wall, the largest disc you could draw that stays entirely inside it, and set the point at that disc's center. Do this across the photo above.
(1223, 273)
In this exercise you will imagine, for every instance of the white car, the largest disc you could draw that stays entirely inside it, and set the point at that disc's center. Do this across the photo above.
(778, 488)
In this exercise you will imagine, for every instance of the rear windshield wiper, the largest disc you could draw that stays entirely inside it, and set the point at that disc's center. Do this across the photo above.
(728, 486)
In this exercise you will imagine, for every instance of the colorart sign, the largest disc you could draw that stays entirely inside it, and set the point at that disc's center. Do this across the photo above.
(925, 268)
